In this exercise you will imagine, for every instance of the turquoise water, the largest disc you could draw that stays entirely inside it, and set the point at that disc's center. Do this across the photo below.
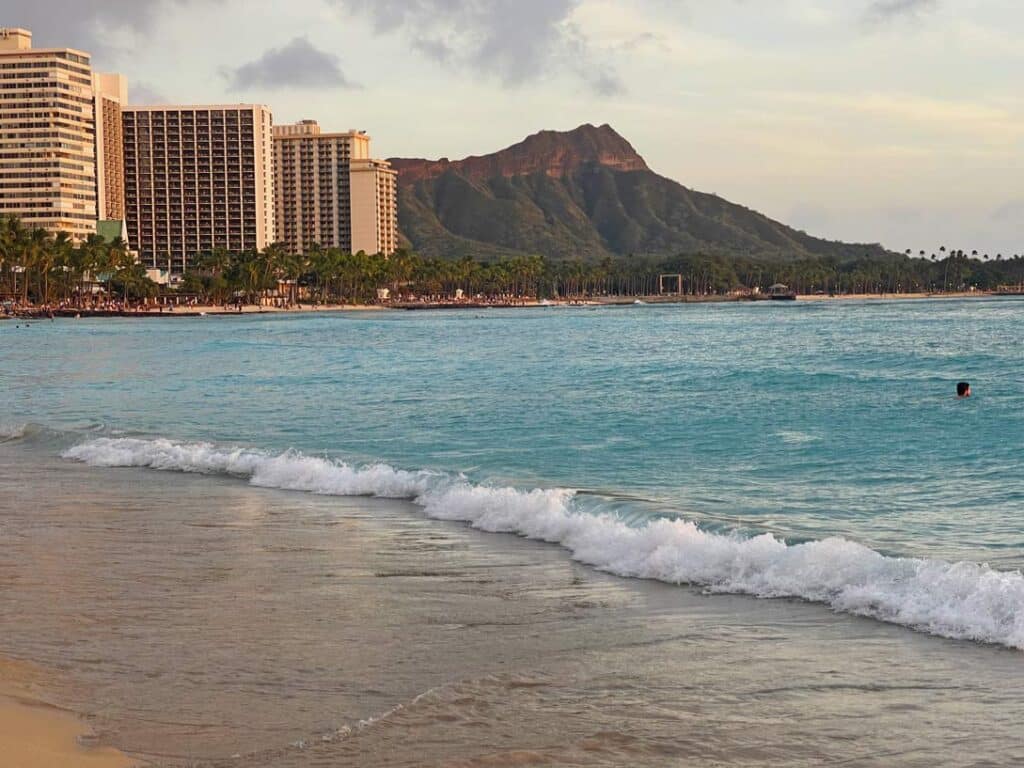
(834, 424)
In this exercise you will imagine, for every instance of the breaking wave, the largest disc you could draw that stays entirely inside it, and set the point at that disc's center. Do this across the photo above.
(9, 431)
(966, 601)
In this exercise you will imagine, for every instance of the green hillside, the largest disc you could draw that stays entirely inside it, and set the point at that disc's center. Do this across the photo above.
(569, 200)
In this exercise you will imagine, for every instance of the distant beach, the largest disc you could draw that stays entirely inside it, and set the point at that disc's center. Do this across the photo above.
(202, 310)
(194, 310)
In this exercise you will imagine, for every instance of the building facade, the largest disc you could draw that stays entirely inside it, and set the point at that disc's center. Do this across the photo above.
(198, 178)
(374, 186)
(110, 94)
(48, 164)
(331, 193)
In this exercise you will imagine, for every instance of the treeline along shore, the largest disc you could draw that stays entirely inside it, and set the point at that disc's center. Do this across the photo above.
(44, 274)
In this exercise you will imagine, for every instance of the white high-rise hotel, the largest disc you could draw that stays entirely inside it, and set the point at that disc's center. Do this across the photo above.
(60, 137)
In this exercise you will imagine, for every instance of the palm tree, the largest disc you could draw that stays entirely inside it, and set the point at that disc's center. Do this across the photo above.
(64, 264)
(47, 251)
(13, 237)
(36, 258)
(134, 282)
(272, 265)
(94, 259)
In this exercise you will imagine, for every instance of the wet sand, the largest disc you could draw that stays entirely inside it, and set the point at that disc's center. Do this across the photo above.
(198, 621)
(34, 734)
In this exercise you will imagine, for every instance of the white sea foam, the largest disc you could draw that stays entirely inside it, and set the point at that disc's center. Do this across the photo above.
(796, 438)
(956, 600)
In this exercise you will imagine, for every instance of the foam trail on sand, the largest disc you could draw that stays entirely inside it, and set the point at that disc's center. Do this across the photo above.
(956, 600)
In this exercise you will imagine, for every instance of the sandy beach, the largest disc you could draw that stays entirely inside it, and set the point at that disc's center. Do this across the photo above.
(208, 622)
(193, 311)
(35, 734)
(589, 301)
(208, 310)
(249, 309)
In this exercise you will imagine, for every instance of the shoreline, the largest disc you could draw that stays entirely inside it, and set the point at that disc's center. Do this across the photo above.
(38, 734)
(476, 650)
(201, 310)
(601, 301)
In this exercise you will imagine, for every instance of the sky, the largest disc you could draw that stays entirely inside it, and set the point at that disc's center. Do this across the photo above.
(892, 121)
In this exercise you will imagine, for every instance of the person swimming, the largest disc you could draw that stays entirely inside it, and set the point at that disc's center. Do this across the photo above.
(963, 389)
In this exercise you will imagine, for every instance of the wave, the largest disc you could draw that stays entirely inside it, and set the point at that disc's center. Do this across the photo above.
(964, 601)
(10, 431)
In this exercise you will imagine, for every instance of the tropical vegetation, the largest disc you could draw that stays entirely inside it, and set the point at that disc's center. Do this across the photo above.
(37, 267)
(40, 268)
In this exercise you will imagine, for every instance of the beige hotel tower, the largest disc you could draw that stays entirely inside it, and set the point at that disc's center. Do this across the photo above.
(60, 142)
(331, 193)
(197, 179)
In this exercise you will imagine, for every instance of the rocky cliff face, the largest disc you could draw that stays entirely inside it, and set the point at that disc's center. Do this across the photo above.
(549, 152)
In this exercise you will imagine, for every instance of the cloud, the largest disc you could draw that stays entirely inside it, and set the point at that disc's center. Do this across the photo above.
(295, 65)
(514, 41)
(434, 49)
(604, 82)
(597, 72)
(882, 11)
(89, 24)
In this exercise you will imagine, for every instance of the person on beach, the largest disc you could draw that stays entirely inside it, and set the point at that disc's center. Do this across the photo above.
(963, 389)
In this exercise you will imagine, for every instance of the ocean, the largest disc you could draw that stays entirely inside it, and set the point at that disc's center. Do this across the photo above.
(678, 534)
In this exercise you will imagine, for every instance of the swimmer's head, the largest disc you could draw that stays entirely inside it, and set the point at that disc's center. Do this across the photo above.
(963, 389)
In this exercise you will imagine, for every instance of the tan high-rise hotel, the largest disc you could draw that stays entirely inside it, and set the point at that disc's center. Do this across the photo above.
(331, 193)
(198, 178)
(52, 155)
(374, 203)
(111, 96)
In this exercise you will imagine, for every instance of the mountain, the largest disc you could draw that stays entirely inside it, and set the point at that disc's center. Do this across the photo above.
(584, 193)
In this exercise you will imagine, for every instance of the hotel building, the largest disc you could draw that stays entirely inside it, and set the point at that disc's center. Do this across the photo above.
(198, 178)
(48, 157)
(331, 193)
(374, 207)
(110, 94)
